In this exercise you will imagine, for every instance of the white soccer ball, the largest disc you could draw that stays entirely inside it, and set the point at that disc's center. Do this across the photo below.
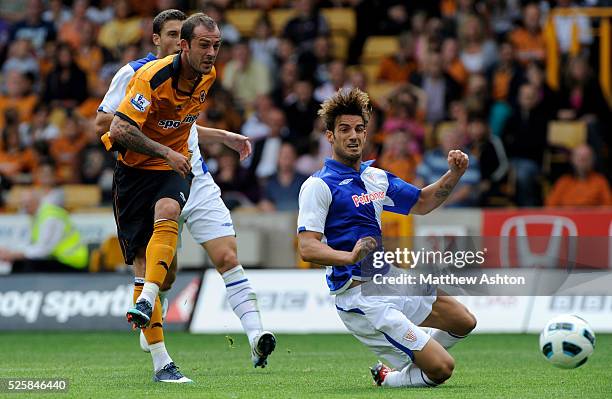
(567, 341)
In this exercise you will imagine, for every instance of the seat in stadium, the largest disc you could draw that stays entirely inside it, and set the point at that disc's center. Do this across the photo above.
(378, 92)
(340, 45)
(340, 20)
(566, 134)
(81, 196)
(279, 18)
(244, 20)
(108, 257)
(377, 47)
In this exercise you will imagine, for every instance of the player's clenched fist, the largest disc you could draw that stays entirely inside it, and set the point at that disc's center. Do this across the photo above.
(362, 248)
(178, 162)
(458, 161)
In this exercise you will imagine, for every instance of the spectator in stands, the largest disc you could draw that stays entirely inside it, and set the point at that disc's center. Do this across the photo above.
(55, 244)
(524, 138)
(67, 83)
(399, 66)
(245, 77)
(90, 56)
(399, 157)
(581, 95)
(477, 52)
(313, 63)
(337, 81)
(306, 25)
(102, 12)
(66, 150)
(264, 44)
(255, 126)
(33, 28)
(301, 115)
(504, 74)
(229, 33)
(453, 65)
(584, 187)
(528, 40)
(21, 58)
(239, 187)
(264, 161)
(97, 168)
(40, 129)
(19, 95)
(57, 14)
(395, 20)
(564, 26)
(284, 93)
(491, 156)
(439, 88)
(401, 116)
(124, 29)
(477, 97)
(14, 158)
(435, 164)
(283, 187)
(70, 31)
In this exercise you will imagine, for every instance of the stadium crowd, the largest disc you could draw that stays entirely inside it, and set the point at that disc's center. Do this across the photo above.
(467, 74)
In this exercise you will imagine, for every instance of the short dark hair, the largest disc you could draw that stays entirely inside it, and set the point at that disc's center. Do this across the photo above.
(165, 16)
(196, 20)
(345, 102)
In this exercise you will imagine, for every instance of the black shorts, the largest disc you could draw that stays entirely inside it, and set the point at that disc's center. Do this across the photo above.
(135, 193)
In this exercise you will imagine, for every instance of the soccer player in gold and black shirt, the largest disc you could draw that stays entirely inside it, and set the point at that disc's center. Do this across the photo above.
(150, 130)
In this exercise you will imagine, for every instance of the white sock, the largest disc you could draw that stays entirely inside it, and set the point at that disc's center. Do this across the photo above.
(149, 292)
(445, 338)
(162, 299)
(410, 376)
(243, 301)
(160, 355)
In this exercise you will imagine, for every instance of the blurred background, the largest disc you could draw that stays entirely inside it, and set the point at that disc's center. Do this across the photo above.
(523, 87)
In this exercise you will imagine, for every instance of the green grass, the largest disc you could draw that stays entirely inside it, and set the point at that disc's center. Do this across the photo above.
(111, 365)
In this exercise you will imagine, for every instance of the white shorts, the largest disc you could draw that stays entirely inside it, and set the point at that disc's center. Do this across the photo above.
(386, 324)
(205, 214)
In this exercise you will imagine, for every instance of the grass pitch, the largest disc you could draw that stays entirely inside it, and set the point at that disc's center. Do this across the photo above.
(111, 365)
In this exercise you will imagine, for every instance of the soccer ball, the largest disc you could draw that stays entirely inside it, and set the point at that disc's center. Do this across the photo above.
(567, 341)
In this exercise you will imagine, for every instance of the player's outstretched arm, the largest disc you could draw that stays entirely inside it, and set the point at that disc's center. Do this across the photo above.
(130, 137)
(235, 141)
(435, 194)
(313, 250)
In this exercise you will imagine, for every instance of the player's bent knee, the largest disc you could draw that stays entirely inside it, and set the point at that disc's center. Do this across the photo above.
(442, 370)
(167, 208)
(468, 323)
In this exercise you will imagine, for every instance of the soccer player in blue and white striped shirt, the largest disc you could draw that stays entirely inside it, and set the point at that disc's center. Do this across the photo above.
(339, 223)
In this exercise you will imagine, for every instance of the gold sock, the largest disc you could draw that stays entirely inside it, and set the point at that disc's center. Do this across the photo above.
(155, 332)
(161, 250)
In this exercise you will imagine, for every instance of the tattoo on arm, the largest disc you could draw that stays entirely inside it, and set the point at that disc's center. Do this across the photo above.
(133, 139)
(444, 191)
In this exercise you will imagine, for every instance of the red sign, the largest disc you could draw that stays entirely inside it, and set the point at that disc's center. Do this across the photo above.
(548, 238)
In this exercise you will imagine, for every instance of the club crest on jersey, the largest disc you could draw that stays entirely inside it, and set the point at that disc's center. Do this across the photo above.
(139, 102)
(410, 336)
(366, 198)
(202, 96)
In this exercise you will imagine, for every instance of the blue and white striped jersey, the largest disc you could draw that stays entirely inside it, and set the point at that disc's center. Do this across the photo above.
(345, 205)
(116, 92)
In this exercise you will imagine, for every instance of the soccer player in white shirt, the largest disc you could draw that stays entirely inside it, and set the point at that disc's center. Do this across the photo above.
(339, 216)
(205, 214)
